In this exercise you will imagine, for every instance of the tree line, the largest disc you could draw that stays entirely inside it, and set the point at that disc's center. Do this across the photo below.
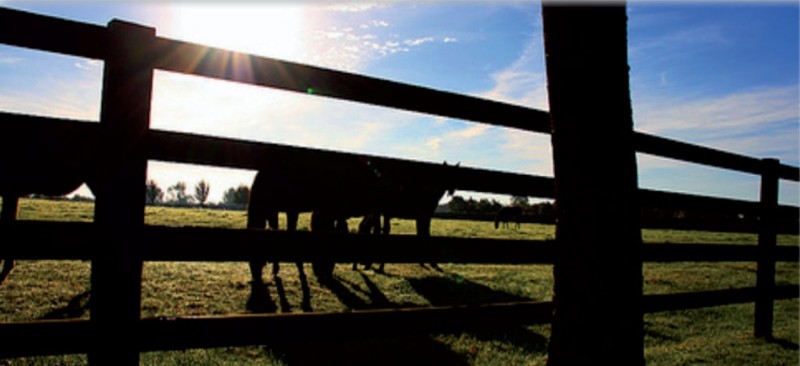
(178, 194)
(485, 206)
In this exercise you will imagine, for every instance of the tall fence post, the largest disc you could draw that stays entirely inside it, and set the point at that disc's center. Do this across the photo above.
(597, 295)
(8, 216)
(767, 242)
(119, 208)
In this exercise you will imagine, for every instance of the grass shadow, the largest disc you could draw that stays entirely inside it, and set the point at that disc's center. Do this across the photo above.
(784, 343)
(371, 348)
(77, 307)
(455, 290)
(400, 351)
(305, 305)
(346, 296)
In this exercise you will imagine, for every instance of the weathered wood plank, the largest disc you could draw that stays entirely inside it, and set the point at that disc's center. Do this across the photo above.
(49, 337)
(39, 32)
(68, 240)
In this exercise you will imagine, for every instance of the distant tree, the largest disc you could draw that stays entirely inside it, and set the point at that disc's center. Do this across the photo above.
(81, 198)
(178, 195)
(238, 196)
(201, 191)
(457, 204)
(520, 201)
(486, 206)
(153, 193)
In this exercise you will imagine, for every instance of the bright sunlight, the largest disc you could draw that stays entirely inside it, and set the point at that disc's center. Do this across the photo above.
(273, 30)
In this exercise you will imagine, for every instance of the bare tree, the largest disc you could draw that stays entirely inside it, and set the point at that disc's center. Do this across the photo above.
(178, 195)
(201, 191)
(153, 192)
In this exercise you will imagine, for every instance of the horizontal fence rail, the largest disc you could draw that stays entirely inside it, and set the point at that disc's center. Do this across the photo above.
(76, 144)
(68, 240)
(51, 337)
(33, 135)
(79, 39)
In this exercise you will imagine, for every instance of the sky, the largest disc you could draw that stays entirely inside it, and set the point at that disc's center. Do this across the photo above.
(718, 74)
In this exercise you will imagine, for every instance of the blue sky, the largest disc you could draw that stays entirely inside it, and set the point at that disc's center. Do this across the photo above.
(719, 74)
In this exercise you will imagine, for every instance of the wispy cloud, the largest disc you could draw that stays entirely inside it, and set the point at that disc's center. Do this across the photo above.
(355, 7)
(755, 121)
(523, 82)
(9, 60)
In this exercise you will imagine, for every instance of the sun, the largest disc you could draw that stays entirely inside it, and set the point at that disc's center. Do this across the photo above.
(272, 30)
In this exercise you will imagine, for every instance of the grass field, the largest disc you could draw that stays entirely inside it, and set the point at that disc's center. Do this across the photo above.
(718, 336)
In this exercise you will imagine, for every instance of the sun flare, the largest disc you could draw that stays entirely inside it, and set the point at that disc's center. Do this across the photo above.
(273, 30)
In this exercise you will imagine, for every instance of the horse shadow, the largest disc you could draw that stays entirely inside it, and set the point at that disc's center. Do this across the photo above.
(453, 290)
(378, 348)
(77, 307)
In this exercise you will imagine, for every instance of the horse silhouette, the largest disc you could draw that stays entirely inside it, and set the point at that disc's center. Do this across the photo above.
(508, 214)
(51, 158)
(335, 189)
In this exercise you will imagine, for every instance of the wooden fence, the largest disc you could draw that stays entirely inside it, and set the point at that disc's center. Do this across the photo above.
(117, 150)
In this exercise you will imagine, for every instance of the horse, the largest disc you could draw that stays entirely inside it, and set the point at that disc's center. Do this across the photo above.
(506, 214)
(51, 158)
(412, 201)
(335, 189)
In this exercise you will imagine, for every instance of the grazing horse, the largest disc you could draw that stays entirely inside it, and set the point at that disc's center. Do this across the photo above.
(506, 214)
(413, 202)
(334, 190)
(51, 158)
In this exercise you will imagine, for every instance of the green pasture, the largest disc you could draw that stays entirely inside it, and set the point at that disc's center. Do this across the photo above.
(717, 336)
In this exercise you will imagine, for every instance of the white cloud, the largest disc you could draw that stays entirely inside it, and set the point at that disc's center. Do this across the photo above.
(9, 60)
(523, 82)
(418, 41)
(355, 7)
(762, 121)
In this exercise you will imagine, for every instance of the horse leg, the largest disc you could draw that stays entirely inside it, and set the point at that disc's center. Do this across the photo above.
(258, 220)
(364, 228)
(8, 266)
(387, 228)
(424, 231)
(291, 226)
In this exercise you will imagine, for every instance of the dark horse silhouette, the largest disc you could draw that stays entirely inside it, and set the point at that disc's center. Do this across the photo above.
(506, 215)
(50, 158)
(412, 200)
(335, 189)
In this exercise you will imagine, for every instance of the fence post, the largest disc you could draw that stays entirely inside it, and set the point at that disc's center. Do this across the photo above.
(597, 294)
(767, 242)
(8, 216)
(119, 207)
